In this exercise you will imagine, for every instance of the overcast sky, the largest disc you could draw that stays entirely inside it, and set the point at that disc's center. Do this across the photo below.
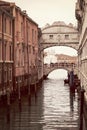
(48, 11)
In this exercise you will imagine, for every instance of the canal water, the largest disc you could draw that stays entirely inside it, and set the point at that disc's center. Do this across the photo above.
(53, 108)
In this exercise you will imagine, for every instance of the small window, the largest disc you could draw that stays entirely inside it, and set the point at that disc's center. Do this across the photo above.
(51, 36)
(66, 36)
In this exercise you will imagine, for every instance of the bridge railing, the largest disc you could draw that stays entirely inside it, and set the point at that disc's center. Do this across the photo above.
(60, 64)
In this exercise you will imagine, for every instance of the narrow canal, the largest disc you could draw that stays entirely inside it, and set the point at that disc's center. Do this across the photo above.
(53, 108)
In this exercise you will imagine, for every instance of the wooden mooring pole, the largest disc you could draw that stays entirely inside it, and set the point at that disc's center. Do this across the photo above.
(8, 106)
(81, 108)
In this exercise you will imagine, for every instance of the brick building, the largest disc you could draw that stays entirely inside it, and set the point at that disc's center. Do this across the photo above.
(20, 39)
(6, 51)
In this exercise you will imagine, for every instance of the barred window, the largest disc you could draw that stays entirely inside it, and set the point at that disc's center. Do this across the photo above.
(66, 36)
(51, 36)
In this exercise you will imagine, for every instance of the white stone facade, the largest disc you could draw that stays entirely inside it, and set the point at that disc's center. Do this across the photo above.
(59, 34)
(81, 15)
(82, 51)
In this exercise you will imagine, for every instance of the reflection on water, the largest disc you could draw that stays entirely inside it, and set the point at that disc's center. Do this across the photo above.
(60, 107)
(72, 99)
(54, 108)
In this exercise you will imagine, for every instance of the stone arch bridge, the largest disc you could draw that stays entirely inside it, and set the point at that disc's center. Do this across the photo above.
(59, 34)
(63, 65)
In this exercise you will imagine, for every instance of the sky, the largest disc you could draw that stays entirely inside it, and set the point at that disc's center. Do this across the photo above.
(48, 11)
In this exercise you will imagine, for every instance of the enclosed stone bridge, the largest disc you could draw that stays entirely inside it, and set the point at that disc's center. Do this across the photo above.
(59, 34)
(63, 65)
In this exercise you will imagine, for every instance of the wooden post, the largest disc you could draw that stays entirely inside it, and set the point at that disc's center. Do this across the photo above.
(29, 94)
(81, 109)
(8, 98)
(29, 90)
(19, 93)
(35, 88)
(8, 106)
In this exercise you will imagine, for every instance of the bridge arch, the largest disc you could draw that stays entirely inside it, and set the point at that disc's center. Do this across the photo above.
(58, 73)
(59, 34)
(53, 45)
(61, 50)
(68, 70)
(48, 68)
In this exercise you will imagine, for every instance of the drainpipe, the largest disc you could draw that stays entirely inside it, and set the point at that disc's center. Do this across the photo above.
(28, 62)
(13, 58)
(3, 50)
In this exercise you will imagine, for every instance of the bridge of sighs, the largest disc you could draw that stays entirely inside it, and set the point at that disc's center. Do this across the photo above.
(59, 34)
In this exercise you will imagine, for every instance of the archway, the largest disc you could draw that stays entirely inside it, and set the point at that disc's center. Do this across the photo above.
(58, 74)
(51, 54)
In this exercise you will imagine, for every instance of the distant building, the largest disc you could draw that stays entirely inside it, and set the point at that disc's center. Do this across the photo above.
(66, 58)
